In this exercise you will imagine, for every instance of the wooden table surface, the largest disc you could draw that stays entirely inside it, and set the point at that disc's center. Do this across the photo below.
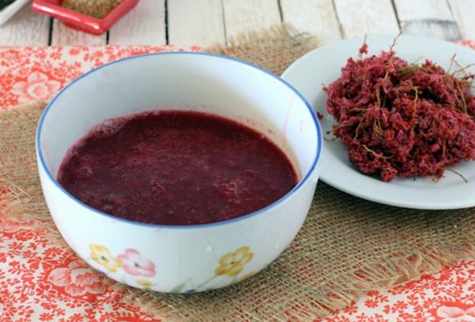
(207, 22)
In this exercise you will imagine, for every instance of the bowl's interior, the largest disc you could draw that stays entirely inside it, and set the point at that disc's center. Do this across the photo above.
(189, 81)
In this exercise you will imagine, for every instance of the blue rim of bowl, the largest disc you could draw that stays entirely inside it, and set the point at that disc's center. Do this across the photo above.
(301, 182)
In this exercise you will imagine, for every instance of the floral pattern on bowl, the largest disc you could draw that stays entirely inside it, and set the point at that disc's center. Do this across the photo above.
(232, 264)
(131, 263)
(135, 265)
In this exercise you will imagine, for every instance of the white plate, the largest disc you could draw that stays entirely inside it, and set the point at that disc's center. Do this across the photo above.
(10, 10)
(322, 66)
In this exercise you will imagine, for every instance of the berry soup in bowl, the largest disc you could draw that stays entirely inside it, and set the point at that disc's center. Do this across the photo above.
(178, 172)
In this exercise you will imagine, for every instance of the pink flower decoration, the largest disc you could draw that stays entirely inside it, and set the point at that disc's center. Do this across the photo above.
(456, 314)
(135, 265)
(36, 87)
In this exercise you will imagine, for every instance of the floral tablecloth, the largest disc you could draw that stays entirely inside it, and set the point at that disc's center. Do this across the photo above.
(40, 281)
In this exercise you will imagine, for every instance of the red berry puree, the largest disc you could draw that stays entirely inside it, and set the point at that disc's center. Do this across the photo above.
(176, 168)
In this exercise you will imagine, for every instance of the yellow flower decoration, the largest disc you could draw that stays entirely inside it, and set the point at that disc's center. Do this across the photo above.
(101, 255)
(232, 264)
(144, 283)
(248, 275)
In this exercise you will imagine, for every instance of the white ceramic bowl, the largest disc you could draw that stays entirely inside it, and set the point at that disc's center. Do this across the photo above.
(180, 258)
